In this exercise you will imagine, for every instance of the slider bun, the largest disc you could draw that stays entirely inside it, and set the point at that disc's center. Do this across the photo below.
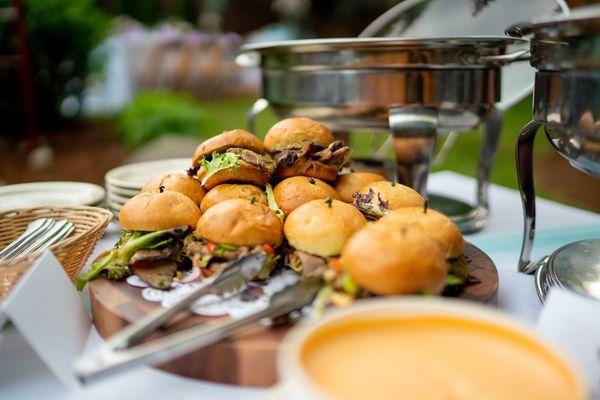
(297, 133)
(392, 260)
(396, 194)
(316, 228)
(181, 183)
(434, 224)
(229, 191)
(309, 168)
(154, 211)
(245, 173)
(241, 223)
(292, 192)
(348, 184)
(227, 139)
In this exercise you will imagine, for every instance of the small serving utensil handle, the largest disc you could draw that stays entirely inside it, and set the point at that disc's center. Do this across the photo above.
(108, 361)
(524, 160)
(140, 329)
(235, 275)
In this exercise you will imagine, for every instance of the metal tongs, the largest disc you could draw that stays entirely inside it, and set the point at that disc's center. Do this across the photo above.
(122, 350)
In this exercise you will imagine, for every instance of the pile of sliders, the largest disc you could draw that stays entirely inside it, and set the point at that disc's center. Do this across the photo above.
(293, 198)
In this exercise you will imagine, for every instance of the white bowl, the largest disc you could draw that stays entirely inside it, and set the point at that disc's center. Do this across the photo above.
(296, 383)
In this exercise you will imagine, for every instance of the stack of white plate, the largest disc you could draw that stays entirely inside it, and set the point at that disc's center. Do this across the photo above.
(124, 182)
(38, 194)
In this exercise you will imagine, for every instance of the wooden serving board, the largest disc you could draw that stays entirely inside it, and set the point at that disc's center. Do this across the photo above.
(247, 359)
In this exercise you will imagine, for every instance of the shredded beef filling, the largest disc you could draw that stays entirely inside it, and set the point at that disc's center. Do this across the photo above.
(335, 154)
(262, 161)
(158, 274)
(307, 264)
(210, 257)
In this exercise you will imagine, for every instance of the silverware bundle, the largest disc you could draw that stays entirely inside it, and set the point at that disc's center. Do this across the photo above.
(39, 235)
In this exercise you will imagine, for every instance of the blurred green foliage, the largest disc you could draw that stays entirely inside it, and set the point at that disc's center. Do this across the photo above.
(155, 113)
(61, 35)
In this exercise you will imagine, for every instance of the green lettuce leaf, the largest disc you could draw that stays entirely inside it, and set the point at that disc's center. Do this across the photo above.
(218, 162)
(118, 258)
(272, 203)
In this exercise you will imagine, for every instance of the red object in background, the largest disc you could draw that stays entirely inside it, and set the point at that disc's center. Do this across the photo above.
(21, 59)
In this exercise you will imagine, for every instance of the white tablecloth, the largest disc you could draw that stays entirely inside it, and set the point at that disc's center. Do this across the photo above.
(23, 376)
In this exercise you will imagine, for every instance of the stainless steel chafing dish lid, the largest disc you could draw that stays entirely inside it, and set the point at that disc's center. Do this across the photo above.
(563, 42)
(381, 53)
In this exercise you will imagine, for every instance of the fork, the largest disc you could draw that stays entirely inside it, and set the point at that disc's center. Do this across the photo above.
(33, 231)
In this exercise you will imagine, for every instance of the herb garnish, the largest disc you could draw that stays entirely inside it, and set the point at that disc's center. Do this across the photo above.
(329, 201)
(367, 205)
(312, 181)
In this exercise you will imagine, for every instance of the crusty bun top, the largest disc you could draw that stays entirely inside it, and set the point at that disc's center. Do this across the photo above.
(154, 211)
(297, 133)
(436, 226)
(228, 191)
(241, 223)
(348, 184)
(292, 192)
(227, 139)
(390, 260)
(396, 194)
(181, 183)
(322, 227)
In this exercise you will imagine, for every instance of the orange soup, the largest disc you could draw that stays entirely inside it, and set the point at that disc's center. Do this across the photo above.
(431, 357)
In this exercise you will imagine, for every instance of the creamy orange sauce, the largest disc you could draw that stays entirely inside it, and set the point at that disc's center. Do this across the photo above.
(433, 358)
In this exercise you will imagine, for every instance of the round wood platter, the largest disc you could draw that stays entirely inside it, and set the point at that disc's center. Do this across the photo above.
(248, 359)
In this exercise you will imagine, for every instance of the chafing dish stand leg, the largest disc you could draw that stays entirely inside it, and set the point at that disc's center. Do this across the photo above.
(259, 106)
(414, 132)
(475, 220)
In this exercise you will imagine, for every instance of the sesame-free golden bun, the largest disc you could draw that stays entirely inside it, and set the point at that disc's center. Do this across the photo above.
(297, 133)
(154, 211)
(228, 191)
(396, 194)
(348, 184)
(322, 227)
(392, 260)
(291, 193)
(228, 139)
(310, 168)
(241, 223)
(434, 224)
(244, 173)
(182, 183)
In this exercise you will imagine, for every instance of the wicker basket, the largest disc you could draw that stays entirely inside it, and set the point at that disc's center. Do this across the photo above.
(73, 252)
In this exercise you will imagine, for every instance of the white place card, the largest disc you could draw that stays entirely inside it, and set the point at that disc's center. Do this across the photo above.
(49, 313)
(572, 322)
